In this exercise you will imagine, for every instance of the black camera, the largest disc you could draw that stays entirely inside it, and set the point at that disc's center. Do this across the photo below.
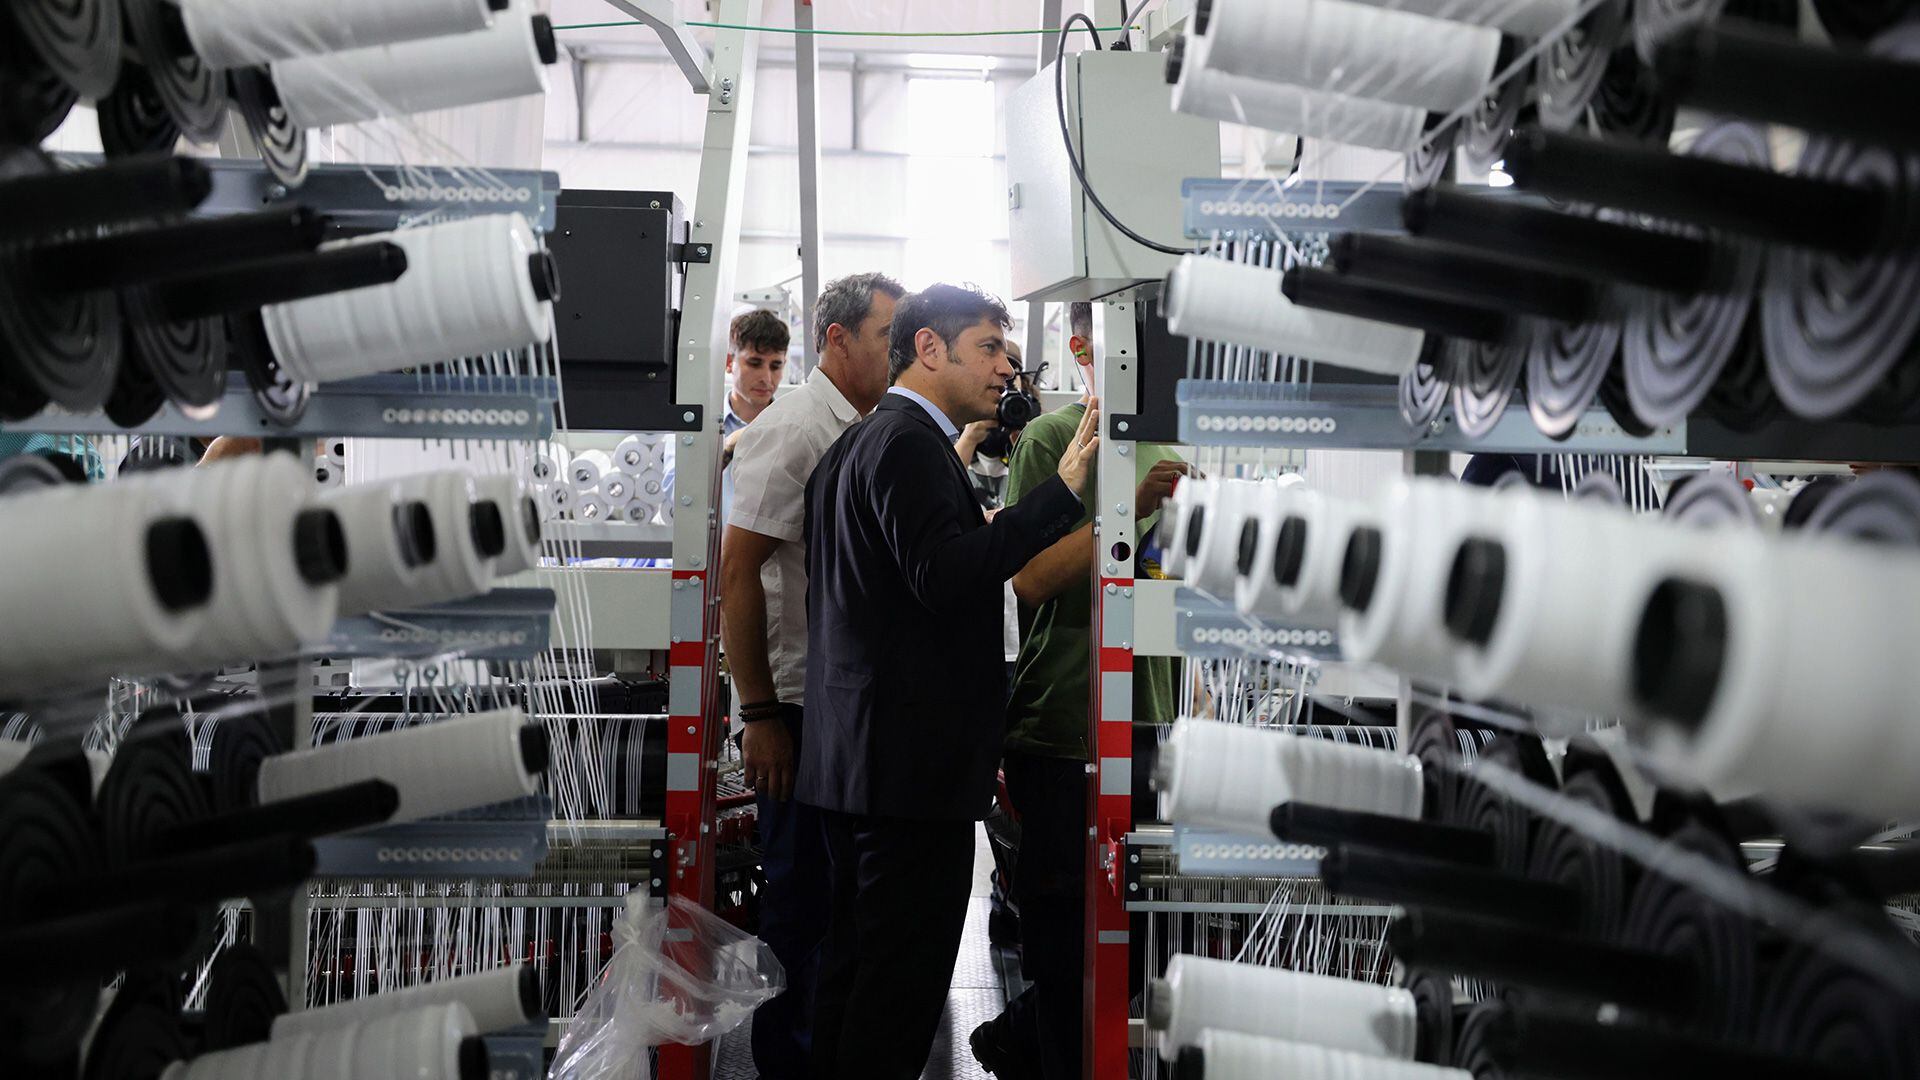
(1017, 407)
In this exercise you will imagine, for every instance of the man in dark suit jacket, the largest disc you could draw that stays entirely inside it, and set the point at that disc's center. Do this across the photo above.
(906, 681)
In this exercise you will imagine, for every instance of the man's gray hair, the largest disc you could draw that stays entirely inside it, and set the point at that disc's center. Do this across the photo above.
(848, 301)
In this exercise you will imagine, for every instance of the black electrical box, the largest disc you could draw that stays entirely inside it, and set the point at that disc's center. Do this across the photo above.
(622, 272)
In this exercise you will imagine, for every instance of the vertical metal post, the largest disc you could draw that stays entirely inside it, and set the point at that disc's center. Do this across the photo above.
(806, 78)
(1050, 16)
(695, 724)
(1110, 792)
(1036, 343)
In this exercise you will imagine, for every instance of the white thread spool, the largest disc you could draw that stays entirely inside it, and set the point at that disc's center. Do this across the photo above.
(1229, 1055)
(1189, 494)
(1256, 588)
(461, 566)
(1213, 537)
(617, 488)
(472, 286)
(392, 540)
(431, 1043)
(277, 556)
(589, 506)
(1231, 776)
(1217, 300)
(1525, 18)
(588, 467)
(1328, 522)
(1207, 92)
(1351, 48)
(521, 516)
(637, 453)
(1806, 690)
(441, 767)
(639, 513)
(547, 464)
(556, 501)
(1571, 579)
(1403, 623)
(506, 60)
(247, 33)
(1341, 1014)
(98, 579)
(505, 997)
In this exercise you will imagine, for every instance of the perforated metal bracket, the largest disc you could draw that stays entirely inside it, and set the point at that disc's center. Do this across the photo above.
(1209, 627)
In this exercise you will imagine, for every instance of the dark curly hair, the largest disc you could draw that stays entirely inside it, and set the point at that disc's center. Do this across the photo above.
(947, 310)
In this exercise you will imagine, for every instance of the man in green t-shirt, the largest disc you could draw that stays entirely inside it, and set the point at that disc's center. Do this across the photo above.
(1046, 752)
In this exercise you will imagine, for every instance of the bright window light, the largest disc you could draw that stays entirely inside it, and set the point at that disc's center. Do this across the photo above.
(953, 205)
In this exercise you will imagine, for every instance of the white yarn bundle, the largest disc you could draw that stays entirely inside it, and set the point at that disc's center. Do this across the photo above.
(472, 286)
(1231, 776)
(1216, 300)
(440, 767)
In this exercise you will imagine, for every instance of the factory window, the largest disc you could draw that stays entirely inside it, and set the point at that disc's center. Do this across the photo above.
(953, 205)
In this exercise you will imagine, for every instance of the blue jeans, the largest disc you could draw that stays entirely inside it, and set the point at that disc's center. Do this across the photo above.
(794, 911)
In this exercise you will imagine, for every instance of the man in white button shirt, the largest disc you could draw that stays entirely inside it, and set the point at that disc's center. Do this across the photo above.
(763, 609)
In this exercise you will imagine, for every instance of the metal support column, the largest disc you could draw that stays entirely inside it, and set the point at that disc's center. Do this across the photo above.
(695, 724)
(1050, 16)
(806, 79)
(1110, 792)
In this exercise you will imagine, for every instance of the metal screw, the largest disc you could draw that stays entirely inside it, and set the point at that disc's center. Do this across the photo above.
(1110, 590)
(687, 416)
(277, 191)
(1090, 832)
(1111, 570)
(686, 500)
(679, 583)
(1123, 425)
(1134, 858)
(1089, 768)
(656, 881)
(699, 224)
(689, 729)
(701, 250)
(1133, 886)
(1120, 508)
(694, 562)
(686, 440)
(1126, 592)
(1125, 450)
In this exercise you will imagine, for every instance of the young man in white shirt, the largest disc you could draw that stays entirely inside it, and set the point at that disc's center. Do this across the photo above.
(763, 610)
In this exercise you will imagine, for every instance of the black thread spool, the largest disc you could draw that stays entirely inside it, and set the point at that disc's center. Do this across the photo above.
(1629, 103)
(282, 143)
(1841, 331)
(243, 998)
(1483, 807)
(1806, 501)
(1881, 507)
(1569, 70)
(1433, 1014)
(1676, 347)
(134, 121)
(140, 1033)
(149, 788)
(1566, 363)
(46, 836)
(1484, 376)
(79, 40)
(1425, 386)
(193, 94)
(1667, 917)
(1477, 1046)
(1820, 1008)
(1508, 106)
(1542, 1042)
(1431, 159)
(1563, 854)
(28, 472)
(281, 397)
(1711, 502)
(34, 100)
(1658, 21)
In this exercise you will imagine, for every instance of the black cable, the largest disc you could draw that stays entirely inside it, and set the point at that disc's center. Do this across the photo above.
(1066, 134)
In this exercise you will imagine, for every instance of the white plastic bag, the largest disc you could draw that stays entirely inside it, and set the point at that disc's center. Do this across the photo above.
(680, 975)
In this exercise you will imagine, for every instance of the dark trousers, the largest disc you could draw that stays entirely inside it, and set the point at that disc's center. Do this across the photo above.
(794, 913)
(900, 891)
(1044, 1024)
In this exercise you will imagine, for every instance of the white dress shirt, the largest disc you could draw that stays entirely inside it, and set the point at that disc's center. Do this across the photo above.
(775, 456)
(933, 410)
